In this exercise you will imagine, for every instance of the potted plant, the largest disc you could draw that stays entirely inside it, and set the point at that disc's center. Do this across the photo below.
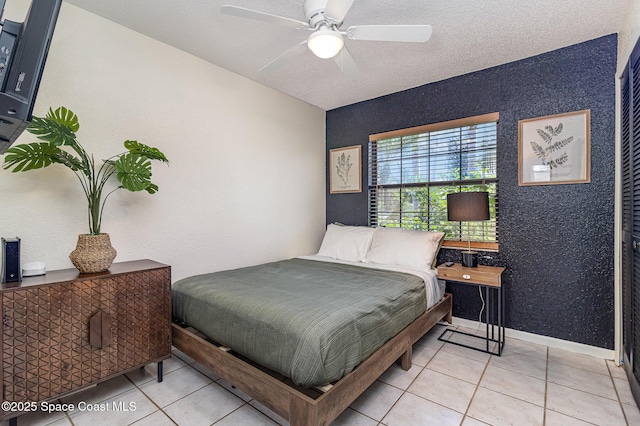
(131, 168)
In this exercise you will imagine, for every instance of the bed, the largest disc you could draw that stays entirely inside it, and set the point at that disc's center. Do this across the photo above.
(306, 336)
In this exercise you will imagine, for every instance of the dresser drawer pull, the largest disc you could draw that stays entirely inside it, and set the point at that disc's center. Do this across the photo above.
(466, 276)
(100, 335)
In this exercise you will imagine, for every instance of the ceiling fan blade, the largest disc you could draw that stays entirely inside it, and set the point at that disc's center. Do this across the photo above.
(407, 33)
(347, 65)
(285, 57)
(262, 16)
(336, 10)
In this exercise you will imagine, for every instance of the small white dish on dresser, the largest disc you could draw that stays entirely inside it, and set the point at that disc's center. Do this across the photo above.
(33, 268)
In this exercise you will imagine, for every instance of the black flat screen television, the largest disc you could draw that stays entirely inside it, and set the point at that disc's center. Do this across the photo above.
(23, 52)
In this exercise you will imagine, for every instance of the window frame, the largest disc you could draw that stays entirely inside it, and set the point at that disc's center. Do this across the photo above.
(446, 125)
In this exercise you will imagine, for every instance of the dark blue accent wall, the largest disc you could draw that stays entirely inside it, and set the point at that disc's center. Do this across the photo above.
(556, 241)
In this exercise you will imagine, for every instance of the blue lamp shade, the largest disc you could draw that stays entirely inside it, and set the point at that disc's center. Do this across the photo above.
(468, 206)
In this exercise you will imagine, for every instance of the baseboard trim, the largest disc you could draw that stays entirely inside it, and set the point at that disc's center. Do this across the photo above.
(544, 340)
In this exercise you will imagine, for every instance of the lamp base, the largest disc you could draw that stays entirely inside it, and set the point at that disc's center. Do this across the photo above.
(470, 259)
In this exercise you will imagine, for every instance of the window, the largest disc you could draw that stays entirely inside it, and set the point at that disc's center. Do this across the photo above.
(411, 171)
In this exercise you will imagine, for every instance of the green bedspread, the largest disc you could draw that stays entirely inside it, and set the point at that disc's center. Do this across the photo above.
(310, 321)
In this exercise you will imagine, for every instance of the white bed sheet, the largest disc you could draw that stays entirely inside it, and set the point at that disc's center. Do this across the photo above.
(434, 288)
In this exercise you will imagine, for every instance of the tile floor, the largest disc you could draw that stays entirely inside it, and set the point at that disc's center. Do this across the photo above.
(447, 385)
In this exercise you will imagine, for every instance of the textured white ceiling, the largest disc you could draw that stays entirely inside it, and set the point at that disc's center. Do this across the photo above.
(467, 36)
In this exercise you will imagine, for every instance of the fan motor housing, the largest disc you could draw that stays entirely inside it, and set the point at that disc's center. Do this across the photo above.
(314, 11)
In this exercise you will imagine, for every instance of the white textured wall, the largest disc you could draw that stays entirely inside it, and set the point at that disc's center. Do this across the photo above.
(628, 34)
(246, 179)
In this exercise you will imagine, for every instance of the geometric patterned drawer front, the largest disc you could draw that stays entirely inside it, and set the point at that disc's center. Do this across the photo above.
(45, 333)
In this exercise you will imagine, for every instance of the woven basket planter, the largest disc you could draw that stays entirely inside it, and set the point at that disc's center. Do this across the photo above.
(93, 253)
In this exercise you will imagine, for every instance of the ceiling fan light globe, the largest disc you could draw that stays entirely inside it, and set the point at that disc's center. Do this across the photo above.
(325, 43)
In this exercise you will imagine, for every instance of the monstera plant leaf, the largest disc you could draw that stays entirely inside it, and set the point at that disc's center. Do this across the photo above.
(59, 127)
(31, 156)
(151, 153)
(57, 133)
(134, 172)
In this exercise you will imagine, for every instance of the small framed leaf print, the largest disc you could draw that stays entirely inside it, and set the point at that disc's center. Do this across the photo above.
(345, 169)
(555, 149)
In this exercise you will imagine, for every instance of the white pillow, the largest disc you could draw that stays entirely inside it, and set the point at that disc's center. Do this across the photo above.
(346, 242)
(396, 246)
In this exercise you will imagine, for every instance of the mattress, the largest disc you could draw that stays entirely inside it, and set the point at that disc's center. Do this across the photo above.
(310, 320)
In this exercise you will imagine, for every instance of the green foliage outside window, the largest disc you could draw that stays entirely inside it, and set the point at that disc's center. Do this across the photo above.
(412, 175)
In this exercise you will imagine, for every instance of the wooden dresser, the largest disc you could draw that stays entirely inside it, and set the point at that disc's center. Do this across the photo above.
(64, 330)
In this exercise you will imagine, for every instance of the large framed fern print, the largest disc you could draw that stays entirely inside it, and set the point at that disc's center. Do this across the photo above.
(555, 149)
(345, 174)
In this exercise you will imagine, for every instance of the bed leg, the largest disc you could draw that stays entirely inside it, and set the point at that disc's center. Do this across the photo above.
(405, 359)
(301, 413)
(449, 317)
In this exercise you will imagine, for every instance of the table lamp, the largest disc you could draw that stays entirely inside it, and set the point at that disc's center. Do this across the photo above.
(466, 207)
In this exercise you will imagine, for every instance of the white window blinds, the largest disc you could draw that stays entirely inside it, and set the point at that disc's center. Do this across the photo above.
(411, 171)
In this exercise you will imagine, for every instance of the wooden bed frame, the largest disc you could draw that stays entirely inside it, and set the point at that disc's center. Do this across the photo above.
(305, 406)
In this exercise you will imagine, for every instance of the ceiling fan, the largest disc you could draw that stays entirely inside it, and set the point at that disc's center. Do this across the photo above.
(324, 19)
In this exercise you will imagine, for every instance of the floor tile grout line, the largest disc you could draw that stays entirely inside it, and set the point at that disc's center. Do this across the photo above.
(404, 391)
(366, 415)
(546, 384)
(464, 416)
(109, 398)
(244, 402)
(616, 399)
(181, 398)
(151, 414)
(438, 351)
(511, 396)
(242, 405)
(579, 390)
(567, 364)
(461, 354)
(399, 388)
(518, 372)
(454, 377)
(487, 362)
(69, 418)
(615, 388)
(151, 399)
(546, 387)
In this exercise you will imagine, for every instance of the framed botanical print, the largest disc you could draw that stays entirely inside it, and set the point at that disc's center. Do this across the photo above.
(345, 169)
(555, 149)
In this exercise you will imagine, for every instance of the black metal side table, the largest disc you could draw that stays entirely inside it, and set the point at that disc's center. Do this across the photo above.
(489, 279)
